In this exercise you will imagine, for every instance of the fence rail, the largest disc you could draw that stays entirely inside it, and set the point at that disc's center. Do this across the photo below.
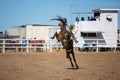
(41, 45)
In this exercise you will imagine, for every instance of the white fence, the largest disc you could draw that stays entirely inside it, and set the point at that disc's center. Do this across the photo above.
(13, 44)
(100, 43)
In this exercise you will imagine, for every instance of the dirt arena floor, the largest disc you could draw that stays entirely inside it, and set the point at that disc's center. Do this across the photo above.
(55, 66)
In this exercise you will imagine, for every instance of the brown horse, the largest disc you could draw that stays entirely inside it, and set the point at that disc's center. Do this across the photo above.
(64, 36)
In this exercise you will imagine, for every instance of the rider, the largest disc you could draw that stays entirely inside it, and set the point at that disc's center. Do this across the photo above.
(73, 36)
(63, 28)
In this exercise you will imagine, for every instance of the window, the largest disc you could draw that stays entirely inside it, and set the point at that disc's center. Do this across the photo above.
(88, 34)
(109, 18)
(97, 16)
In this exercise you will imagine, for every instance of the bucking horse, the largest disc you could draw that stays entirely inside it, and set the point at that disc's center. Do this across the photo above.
(66, 38)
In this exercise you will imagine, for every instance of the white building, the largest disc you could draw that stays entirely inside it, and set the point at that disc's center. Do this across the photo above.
(31, 31)
(118, 34)
(102, 28)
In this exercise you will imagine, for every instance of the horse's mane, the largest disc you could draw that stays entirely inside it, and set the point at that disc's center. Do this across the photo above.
(61, 19)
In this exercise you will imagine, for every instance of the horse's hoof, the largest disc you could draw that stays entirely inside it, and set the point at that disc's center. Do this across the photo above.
(77, 67)
(72, 65)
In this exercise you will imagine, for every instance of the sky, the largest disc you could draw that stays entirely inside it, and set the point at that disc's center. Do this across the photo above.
(20, 12)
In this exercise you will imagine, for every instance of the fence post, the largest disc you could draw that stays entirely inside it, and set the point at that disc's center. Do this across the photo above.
(3, 49)
(50, 45)
(97, 50)
(27, 45)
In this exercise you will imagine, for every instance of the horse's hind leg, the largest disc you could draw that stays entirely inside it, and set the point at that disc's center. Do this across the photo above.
(71, 61)
(73, 55)
(68, 56)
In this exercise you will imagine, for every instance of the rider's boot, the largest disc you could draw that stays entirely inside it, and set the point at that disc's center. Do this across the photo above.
(73, 37)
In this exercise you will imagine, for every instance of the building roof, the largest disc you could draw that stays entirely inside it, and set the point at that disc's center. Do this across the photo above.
(23, 26)
(106, 10)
